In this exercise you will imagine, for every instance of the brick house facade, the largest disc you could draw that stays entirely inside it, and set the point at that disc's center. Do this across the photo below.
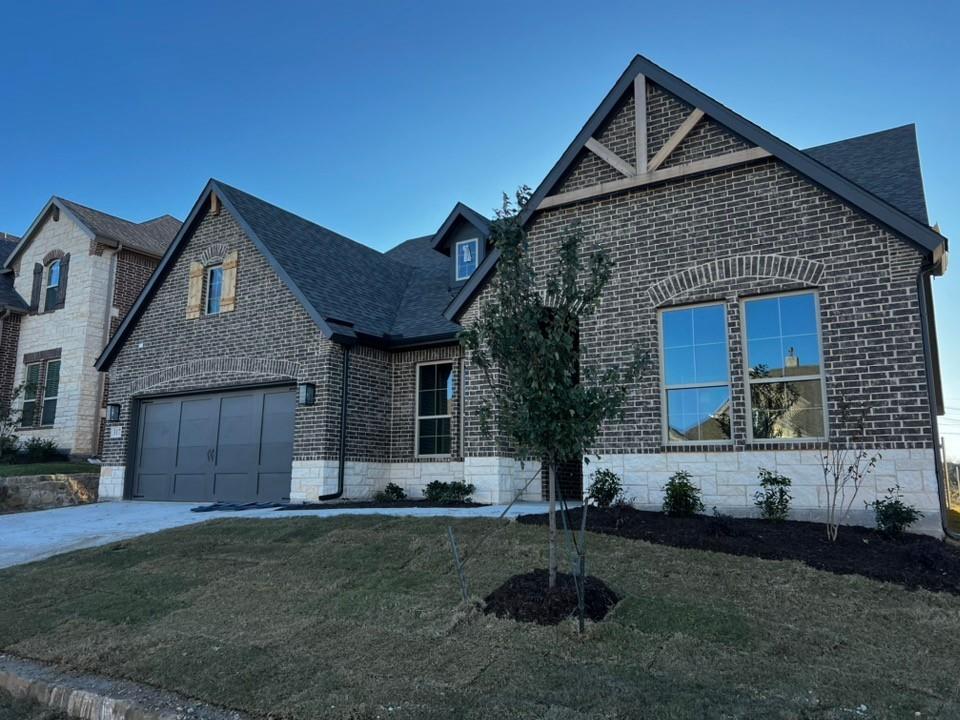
(71, 279)
(708, 219)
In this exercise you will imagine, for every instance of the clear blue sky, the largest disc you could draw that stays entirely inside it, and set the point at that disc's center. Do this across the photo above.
(373, 119)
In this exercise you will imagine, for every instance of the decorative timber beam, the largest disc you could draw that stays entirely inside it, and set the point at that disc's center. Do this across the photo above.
(671, 144)
(611, 158)
(655, 176)
(640, 109)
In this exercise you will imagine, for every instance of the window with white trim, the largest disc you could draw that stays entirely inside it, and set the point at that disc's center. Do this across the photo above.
(434, 396)
(784, 371)
(466, 257)
(695, 374)
(214, 289)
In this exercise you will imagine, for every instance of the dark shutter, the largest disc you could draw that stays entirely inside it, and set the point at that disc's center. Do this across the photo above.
(64, 272)
(37, 282)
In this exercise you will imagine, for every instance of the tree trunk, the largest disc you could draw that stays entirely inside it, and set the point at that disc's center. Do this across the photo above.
(552, 483)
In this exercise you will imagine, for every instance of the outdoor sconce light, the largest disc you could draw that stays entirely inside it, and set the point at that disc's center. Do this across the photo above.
(306, 393)
(113, 412)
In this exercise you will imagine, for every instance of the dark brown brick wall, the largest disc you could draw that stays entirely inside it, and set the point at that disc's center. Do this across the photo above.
(9, 340)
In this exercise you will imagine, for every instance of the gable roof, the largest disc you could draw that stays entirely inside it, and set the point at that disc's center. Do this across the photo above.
(8, 244)
(150, 238)
(349, 289)
(461, 212)
(813, 168)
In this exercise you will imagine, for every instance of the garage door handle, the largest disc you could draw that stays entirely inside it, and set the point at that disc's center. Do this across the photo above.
(210, 454)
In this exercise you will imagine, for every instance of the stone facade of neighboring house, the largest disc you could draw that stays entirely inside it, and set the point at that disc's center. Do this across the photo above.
(68, 283)
(773, 289)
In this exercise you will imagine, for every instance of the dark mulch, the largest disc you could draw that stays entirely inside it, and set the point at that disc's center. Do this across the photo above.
(528, 598)
(374, 504)
(913, 561)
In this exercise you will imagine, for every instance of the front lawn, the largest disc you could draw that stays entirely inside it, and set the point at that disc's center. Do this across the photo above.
(357, 617)
(49, 468)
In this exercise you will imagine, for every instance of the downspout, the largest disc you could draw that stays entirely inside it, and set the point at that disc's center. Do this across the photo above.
(342, 464)
(923, 277)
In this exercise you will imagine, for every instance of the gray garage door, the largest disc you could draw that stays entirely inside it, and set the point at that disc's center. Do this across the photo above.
(232, 446)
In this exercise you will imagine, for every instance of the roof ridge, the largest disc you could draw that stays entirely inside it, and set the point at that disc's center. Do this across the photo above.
(93, 209)
(862, 136)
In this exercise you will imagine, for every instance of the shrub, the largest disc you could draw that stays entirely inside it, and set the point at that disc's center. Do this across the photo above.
(605, 488)
(773, 498)
(37, 450)
(892, 514)
(9, 448)
(682, 497)
(448, 492)
(391, 493)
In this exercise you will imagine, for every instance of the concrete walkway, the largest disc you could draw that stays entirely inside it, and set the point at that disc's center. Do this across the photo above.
(29, 536)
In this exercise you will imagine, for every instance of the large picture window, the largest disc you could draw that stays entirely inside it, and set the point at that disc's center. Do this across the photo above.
(784, 367)
(434, 396)
(696, 374)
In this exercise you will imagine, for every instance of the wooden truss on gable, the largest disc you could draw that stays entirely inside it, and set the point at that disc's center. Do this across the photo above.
(649, 170)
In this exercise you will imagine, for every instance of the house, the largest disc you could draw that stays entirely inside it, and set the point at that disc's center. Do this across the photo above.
(270, 359)
(64, 288)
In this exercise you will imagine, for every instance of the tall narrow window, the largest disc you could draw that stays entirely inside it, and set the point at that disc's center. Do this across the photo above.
(51, 388)
(52, 296)
(466, 258)
(784, 370)
(31, 390)
(696, 374)
(434, 393)
(214, 289)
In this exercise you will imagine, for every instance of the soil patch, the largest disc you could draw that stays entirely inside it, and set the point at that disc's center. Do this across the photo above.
(913, 561)
(374, 504)
(527, 598)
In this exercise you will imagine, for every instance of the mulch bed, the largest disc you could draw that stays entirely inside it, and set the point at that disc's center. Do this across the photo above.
(373, 504)
(527, 598)
(913, 561)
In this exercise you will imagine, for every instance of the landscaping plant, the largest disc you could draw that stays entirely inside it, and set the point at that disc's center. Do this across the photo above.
(10, 415)
(391, 493)
(448, 492)
(845, 468)
(892, 514)
(526, 341)
(682, 498)
(605, 488)
(37, 450)
(773, 498)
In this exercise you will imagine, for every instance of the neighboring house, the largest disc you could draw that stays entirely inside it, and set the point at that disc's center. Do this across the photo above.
(64, 288)
(271, 359)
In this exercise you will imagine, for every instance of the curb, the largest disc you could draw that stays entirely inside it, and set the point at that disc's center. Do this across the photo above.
(89, 697)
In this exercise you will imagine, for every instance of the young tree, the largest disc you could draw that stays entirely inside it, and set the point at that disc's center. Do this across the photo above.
(526, 342)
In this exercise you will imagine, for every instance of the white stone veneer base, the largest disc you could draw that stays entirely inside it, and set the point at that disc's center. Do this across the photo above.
(111, 482)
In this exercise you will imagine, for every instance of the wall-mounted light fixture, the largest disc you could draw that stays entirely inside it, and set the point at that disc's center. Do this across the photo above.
(306, 393)
(113, 412)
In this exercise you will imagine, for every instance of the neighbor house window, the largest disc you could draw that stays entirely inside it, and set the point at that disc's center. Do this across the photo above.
(696, 375)
(52, 295)
(466, 258)
(31, 391)
(51, 388)
(434, 396)
(214, 289)
(784, 369)
(40, 390)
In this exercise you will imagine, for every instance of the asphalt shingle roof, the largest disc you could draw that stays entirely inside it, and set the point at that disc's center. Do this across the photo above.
(885, 163)
(152, 236)
(7, 244)
(9, 298)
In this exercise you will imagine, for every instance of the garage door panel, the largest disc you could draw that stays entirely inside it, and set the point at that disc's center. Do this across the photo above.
(232, 446)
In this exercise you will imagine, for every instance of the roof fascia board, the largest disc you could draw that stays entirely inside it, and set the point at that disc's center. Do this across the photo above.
(467, 213)
(35, 226)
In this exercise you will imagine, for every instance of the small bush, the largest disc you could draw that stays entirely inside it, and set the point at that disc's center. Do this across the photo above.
(448, 492)
(682, 497)
(892, 514)
(37, 450)
(773, 498)
(9, 448)
(605, 488)
(391, 493)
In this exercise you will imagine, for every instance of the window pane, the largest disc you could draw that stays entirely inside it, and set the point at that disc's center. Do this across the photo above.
(709, 325)
(678, 328)
(798, 315)
(765, 358)
(52, 383)
(428, 403)
(27, 414)
(49, 412)
(763, 318)
(214, 288)
(427, 445)
(428, 377)
(801, 355)
(679, 367)
(782, 336)
(699, 414)
(32, 382)
(787, 409)
(466, 259)
(711, 363)
(51, 298)
(53, 275)
(695, 346)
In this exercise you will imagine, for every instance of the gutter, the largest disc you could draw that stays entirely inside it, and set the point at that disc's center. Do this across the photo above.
(923, 279)
(344, 395)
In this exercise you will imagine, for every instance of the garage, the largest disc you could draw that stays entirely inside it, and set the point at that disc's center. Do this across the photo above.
(232, 446)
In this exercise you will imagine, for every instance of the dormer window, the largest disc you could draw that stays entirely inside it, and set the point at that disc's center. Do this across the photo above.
(466, 258)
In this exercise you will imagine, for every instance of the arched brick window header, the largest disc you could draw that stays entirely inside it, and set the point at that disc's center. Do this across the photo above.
(53, 255)
(781, 267)
(214, 255)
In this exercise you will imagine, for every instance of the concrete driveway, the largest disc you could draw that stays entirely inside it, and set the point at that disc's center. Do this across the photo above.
(29, 536)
